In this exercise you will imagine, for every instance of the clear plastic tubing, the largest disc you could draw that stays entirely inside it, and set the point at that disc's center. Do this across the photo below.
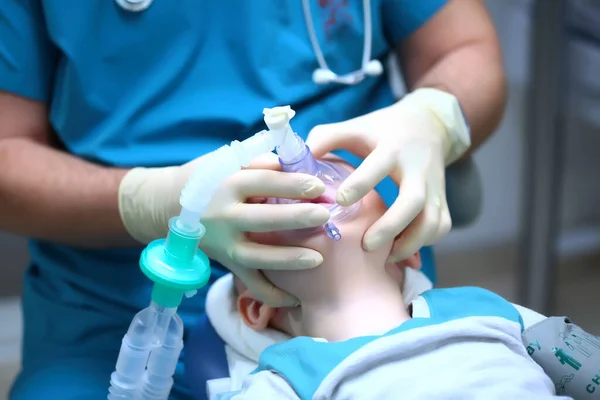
(217, 166)
(213, 169)
(147, 331)
(158, 379)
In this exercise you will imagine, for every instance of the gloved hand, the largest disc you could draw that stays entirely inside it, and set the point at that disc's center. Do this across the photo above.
(411, 141)
(149, 197)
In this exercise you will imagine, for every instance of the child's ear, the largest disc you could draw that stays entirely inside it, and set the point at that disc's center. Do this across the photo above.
(256, 314)
(413, 262)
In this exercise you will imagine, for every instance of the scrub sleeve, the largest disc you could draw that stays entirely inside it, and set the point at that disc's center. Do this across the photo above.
(27, 65)
(27, 58)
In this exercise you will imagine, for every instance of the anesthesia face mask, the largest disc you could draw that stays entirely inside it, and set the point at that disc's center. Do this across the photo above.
(332, 175)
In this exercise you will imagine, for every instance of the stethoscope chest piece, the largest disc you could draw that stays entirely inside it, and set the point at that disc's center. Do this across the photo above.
(134, 5)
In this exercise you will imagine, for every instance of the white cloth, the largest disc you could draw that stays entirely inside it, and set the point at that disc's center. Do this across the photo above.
(461, 343)
(243, 345)
(473, 358)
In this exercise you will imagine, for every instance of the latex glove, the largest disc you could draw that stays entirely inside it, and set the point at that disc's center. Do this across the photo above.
(149, 197)
(229, 216)
(411, 141)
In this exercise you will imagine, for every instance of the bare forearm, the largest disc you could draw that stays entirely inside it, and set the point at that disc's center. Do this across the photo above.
(48, 194)
(473, 74)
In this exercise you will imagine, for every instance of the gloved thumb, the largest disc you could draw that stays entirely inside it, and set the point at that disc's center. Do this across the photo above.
(266, 161)
(323, 139)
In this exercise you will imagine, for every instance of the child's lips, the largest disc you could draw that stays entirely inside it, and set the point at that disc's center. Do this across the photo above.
(323, 200)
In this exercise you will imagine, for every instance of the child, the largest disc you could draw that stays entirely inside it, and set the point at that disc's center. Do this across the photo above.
(245, 340)
(355, 336)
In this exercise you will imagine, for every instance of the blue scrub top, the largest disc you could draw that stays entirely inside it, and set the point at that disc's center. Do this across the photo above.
(162, 87)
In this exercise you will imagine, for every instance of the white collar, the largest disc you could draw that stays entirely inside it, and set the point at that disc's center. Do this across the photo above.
(244, 345)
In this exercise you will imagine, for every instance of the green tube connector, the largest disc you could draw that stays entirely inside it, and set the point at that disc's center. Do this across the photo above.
(176, 265)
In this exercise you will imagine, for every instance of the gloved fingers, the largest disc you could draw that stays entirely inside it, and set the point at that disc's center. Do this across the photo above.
(278, 217)
(252, 255)
(263, 183)
(408, 205)
(371, 171)
(419, 233)
(437, 196)
(323, 139)
(265, 291)
(445, 224)
(266, 161)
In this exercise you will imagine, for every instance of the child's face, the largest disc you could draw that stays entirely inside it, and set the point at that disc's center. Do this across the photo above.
(369, 210)
(343, 261)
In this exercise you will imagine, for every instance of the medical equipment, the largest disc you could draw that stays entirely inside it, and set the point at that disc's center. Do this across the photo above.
(323, 74)
(569, 355)
(134, 5)
(151, 347)
(332, 175)
(295, 156)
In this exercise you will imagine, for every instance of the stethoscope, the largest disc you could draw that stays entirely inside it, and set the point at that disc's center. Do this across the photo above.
(134, 5)
(322, 75)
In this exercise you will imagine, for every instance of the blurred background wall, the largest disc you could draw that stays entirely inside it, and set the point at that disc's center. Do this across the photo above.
(500, 160)
(485, 254)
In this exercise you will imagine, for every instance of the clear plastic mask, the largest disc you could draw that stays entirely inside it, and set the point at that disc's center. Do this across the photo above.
(332, 175)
